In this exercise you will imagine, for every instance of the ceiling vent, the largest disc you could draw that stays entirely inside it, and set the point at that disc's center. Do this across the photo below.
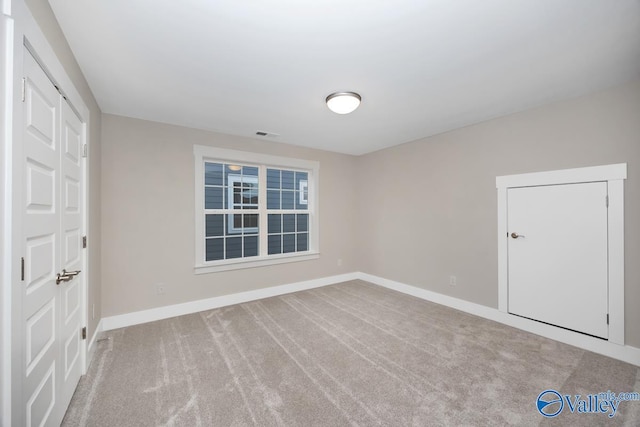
(269, 134)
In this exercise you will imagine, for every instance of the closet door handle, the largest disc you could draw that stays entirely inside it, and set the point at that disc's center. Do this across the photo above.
(516, 235)
(66, 276)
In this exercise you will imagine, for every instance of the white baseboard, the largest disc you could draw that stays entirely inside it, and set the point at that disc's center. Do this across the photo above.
(624, 353)
(138, 317)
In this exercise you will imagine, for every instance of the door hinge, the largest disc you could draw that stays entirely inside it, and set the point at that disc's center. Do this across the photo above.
(84, 150)
(24, 89)
(84, 333)
(606, 200)
(84, 242)
(607, 318)
(22, 269)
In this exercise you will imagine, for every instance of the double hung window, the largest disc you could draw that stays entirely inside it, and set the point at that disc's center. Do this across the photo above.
(253, 209)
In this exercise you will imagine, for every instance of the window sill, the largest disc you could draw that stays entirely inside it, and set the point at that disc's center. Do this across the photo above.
(241, 264)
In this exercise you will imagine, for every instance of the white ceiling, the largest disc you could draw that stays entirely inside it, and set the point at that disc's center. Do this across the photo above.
(422, 66)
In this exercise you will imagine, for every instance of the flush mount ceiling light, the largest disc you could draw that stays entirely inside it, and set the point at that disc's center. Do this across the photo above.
(343, 102)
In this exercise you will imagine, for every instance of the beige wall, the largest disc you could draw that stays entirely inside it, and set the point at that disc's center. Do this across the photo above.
(433, 199)
(148, 217)
(47, 22)
(428, 209)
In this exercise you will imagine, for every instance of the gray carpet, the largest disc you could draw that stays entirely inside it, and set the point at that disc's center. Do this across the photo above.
(348, 354)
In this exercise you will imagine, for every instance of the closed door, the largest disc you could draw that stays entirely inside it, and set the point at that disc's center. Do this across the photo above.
(51, 312)
(557, 255)
(71, 191)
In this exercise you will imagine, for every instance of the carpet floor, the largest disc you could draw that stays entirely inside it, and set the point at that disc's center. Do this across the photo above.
(347, 354)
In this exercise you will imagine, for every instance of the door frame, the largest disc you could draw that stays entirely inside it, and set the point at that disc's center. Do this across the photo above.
(614, 175)
(6, 99)
(25, 34)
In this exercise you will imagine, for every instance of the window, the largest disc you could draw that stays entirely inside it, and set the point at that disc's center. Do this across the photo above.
(253, 209)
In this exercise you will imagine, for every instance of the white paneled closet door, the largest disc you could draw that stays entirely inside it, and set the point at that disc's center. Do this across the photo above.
(51, 317)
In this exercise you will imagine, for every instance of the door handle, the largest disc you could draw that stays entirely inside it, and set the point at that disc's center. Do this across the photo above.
(66, 276)
(516, 235)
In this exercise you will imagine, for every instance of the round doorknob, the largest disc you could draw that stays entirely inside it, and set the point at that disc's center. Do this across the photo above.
(516, 235)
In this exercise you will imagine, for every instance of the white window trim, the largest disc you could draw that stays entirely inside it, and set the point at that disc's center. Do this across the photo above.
(204, 153)
(614, 175)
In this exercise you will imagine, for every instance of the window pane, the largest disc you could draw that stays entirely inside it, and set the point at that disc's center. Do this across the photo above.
(214, 249)
(288, 181)
(275, 223)
(232, 173)
(288, 243)
(251, 246)
(303, 222)
(287, 199)
(213, 174)
(250, 223)
(301, 176)
(303, 242)
(288, 223)
(301, 202)
(273, 178)
(213, 198)
(234, 247)
(237, 224)
(250, 170)
(273, 199)
(249, 190)
(214, 225)
(275, 244)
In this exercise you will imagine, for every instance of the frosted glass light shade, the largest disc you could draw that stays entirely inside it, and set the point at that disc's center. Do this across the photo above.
(343, 102)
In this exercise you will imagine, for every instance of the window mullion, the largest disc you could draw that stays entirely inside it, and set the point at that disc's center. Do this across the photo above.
(262, 210)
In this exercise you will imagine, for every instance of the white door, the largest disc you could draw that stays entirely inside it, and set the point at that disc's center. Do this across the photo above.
(71, 191)
(557, 255)
(50, 325)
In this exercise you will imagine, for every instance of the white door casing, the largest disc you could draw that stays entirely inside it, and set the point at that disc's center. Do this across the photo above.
(614, 176)
(557, 251)
(6, 100)
(52, 222)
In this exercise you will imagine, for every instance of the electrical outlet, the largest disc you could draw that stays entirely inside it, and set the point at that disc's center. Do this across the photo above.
(452, 280)
(339, 262)
(160, 290)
